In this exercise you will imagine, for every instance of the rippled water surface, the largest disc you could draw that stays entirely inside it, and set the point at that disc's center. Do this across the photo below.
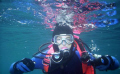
(22, 31)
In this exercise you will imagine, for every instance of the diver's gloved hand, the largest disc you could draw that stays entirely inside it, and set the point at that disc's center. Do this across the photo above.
(24, 65)
(101, 63)
(85, 57)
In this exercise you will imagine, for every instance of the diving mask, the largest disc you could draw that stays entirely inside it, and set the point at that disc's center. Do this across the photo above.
(68, 38)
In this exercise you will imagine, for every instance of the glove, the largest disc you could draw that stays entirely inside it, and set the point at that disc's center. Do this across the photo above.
(24, 65)
(99, 61)
(85, 57)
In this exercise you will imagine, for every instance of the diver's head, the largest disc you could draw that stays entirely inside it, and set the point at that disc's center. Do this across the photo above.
(62, 37)
(62, 42)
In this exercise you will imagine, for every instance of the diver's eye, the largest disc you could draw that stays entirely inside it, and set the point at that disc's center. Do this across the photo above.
(68, 38)
(58, 39)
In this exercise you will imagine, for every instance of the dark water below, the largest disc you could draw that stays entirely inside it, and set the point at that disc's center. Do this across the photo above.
(19, 40)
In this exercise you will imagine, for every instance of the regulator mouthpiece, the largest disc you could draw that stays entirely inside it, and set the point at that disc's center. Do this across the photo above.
(59, 56)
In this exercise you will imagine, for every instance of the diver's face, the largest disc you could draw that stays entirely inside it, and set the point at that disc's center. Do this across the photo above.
(64, 41)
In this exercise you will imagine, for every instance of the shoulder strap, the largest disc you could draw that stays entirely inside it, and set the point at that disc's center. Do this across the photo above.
(82, 45)
(86, 69)
(79, 43)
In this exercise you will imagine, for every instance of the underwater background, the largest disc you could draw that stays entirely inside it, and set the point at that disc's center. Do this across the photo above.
(21, 34)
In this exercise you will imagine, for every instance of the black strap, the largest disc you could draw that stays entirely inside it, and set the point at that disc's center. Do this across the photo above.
(80, 44)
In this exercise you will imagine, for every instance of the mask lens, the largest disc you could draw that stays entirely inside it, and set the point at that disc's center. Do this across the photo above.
(68, 38)
(57, 40)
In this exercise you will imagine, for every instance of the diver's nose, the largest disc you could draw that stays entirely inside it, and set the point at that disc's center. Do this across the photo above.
(63, 42)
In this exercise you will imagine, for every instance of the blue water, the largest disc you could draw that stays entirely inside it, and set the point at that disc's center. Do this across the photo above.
(21, 33)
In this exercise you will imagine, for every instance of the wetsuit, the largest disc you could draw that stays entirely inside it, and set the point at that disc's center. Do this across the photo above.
(73, 66)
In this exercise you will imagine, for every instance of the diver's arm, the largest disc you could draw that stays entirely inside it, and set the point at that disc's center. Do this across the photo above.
(114, 64)
(105, 62)
(38, 61)
(26, 65)
(13, 70)
(22, 66)
(100, 62)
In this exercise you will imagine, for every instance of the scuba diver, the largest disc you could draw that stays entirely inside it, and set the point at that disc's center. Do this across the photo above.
(67, 54)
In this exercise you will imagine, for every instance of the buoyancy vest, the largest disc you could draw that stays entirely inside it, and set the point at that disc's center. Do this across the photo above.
(86, 69)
